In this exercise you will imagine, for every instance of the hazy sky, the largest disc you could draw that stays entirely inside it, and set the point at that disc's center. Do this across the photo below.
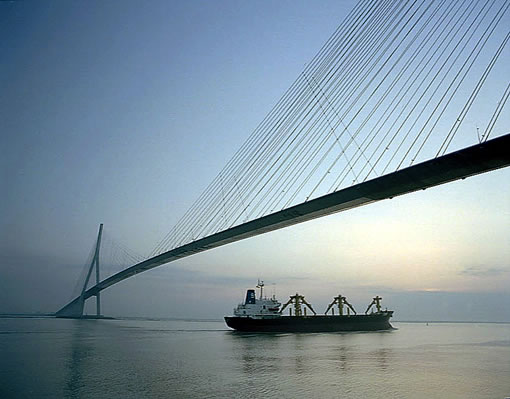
(122, 112)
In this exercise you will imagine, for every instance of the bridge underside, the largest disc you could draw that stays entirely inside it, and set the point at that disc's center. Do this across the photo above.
(480, 158)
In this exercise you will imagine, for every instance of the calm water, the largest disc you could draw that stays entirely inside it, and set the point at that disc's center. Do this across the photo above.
(185, 359)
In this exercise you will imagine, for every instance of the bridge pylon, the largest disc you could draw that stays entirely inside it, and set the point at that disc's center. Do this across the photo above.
(74, 309)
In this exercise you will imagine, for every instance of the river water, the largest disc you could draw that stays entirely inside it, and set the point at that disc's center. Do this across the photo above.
(52, 358)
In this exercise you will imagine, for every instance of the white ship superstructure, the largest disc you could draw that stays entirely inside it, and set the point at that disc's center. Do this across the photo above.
(258, 308)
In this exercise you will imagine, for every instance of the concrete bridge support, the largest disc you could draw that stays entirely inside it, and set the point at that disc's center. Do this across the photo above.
(74, 309)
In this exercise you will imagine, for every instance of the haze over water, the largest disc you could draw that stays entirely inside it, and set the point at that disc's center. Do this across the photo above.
(203, 359)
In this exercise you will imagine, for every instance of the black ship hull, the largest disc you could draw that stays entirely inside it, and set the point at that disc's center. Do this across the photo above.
(370, 322)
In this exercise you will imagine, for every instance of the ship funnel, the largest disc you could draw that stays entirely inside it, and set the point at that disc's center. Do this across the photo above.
(250, 297)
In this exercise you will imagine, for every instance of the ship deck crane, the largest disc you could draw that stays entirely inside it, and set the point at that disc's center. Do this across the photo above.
(298, 301)
(341, 301)
(377, 302)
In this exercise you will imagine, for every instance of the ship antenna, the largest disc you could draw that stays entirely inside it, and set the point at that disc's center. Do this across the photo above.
(260, 285)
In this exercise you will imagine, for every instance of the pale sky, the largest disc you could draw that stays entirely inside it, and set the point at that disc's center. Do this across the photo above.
(122, 112)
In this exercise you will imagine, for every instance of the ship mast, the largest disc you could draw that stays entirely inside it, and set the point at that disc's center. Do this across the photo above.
(260, 285)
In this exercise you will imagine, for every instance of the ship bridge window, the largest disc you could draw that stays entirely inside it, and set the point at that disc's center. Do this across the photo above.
(264, 306)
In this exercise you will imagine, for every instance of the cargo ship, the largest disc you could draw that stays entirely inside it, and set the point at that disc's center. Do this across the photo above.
(264, 314)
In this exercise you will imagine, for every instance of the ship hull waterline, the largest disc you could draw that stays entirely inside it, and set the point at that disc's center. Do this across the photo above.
(370, 322)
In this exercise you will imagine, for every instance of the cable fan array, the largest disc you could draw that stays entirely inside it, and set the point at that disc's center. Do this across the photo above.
(386, 90)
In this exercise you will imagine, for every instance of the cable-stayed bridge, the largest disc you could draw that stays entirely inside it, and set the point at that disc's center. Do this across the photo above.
(386, 107)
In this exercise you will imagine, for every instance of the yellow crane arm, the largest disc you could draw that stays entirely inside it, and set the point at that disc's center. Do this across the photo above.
(287, 304)
(369, 306)
(349, 305)
(330, 306)
(307, 304)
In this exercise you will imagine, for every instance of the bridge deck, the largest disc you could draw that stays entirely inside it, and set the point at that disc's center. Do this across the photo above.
(480, 158)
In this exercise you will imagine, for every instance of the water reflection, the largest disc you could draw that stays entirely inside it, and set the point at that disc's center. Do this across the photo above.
(381, 357)
(344, 355)
(81, 351)
(165, 357)
(334, 358)
(300, 359)
(256, 353)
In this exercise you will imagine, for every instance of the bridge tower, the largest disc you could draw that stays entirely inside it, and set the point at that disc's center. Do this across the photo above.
(75, 308)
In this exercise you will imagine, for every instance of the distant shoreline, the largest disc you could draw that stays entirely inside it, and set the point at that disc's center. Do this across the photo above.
(25, 315)
(450, 321)
(52, 315)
